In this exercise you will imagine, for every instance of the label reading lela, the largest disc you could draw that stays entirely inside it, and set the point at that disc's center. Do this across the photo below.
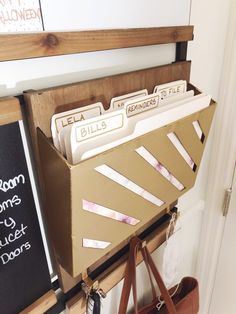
(134, 107)
(76, 115)
(13, 230)
(99, 126)
(63, 119)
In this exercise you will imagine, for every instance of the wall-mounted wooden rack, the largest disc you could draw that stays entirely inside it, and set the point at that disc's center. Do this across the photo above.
(44, 44)
(42, 104)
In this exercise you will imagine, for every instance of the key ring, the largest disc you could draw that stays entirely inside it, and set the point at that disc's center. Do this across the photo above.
(161, 302)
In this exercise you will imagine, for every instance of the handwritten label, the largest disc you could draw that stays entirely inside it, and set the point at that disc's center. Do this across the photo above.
(119, 102)
(13, 231)
(20, 15)
(78, 115)
(136, 107)
(99, 127)
(171, 90)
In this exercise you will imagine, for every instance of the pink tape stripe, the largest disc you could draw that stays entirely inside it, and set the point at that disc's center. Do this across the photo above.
(143, 152)
(95, 244)
(128, 184)
(107, 212)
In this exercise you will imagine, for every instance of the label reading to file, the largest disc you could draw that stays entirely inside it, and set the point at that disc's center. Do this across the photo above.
(99, 127)
(169, 91)
(135, 107)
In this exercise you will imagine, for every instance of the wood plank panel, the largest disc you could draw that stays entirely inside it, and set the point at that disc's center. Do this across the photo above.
(10, 110)
(34, 45)
(42, 304)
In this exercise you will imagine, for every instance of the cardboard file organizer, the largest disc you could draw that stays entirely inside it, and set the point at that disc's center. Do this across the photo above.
(66, 186)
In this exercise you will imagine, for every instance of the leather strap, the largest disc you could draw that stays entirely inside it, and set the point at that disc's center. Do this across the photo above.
(164, 292)
(133, 273)
(127, 280)
(130, 279)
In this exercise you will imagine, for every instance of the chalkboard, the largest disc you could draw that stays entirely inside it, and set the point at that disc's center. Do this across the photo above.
(24, 274)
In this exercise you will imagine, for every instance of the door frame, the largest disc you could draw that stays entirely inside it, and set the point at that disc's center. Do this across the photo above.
(221, 168)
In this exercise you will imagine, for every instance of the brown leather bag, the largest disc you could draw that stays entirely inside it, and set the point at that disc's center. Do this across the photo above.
(181, 299)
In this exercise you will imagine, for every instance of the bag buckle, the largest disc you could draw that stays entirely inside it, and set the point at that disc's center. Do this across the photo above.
(159, 304)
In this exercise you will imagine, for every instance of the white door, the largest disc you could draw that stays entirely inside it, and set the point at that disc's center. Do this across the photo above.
(223, 299)
(216, 268)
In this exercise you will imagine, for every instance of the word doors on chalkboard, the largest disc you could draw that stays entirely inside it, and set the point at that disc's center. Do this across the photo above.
(24, 275)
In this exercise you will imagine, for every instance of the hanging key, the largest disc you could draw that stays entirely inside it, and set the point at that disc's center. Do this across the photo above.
(94, 303)
(101, 293)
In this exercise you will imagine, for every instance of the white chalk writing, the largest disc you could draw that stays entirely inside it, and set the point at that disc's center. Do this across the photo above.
(7, 257)
(14, 232)
(10, 203)
(8, 222)
(13, 236)
(11, 183)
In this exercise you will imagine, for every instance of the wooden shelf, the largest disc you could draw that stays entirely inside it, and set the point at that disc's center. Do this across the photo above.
(44, 44)
(42, 304)
(10, 110)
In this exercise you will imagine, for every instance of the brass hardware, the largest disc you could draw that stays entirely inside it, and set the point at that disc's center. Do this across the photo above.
(226, 202)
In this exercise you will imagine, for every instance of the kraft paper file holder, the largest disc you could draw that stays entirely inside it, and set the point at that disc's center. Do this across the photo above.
(69, 186)
(61, 196)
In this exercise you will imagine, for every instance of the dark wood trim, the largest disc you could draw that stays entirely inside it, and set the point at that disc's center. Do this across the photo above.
(44, 44)
(181, 51)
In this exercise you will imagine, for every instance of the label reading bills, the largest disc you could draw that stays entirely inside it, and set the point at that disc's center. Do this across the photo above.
(63, 119)
(100, 126)
(134, 107)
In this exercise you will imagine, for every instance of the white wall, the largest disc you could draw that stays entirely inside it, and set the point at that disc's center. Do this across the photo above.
(17, 76)
(207, 52)
(68, 15)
